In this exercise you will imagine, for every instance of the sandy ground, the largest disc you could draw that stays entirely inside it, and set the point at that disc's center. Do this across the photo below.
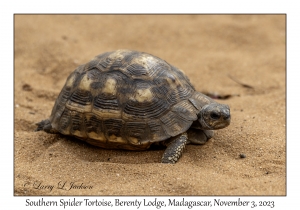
(241, 57)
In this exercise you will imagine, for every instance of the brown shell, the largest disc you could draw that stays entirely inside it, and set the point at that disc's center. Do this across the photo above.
(126, 99)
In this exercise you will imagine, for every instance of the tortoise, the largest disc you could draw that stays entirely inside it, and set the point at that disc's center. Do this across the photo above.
(129, 100)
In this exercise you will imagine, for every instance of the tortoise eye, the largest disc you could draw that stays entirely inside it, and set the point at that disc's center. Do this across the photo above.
(215, 115)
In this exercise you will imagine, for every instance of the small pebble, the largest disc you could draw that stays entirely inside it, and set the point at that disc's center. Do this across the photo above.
(27, 87)
(242, 156)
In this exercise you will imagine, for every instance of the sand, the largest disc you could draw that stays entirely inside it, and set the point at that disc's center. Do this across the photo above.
(240, 58)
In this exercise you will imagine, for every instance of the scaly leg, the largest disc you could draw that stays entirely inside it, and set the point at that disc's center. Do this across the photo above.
(197, 136)
(175, 148)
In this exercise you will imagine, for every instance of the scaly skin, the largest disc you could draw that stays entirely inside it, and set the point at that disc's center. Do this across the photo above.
(175, 149)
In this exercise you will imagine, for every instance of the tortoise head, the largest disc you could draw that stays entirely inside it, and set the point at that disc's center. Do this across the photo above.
(214, 116)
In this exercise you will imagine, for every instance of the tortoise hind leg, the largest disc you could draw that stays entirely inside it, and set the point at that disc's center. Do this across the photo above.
(46, 126)
(174, 149)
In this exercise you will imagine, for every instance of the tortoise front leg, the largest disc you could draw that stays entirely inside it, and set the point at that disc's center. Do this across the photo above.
(174, 149)
(197, 136)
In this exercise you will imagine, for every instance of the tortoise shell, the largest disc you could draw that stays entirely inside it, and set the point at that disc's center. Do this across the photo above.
(126, 99)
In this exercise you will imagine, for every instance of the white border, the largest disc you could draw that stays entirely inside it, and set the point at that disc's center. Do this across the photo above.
(8, 8)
